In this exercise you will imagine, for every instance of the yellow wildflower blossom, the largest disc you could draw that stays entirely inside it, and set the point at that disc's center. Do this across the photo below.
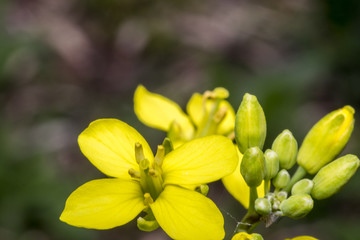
(162, 113)
(155, 185)
(302, 238)
(208, 114)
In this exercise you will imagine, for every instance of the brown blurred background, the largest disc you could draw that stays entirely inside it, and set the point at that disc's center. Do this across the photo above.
(66, 63)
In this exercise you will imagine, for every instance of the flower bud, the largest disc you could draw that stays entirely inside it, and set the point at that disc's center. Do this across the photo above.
(281, 196)
(326, 139)
(147, 225)
(250, 124)
(256, 236)
(286, 147)
(262, 206)
(271, 164)
(252, 167)
(282, 179)
(297, 206)
(247, 236)
(203, 189)
(333, 176)
(304, 186)
(302, 238)
(221, 93)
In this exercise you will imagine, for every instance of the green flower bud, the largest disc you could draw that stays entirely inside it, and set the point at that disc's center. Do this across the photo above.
(250, 124)
(326, 139)
(262, 206)
(282, 179)
(271, 164)
(256, 236)
(203, 189)
(297, 206)
(253, 167)
(304, 186)
(147, 225)
(333, 176)
(281, 196)
(286, 147)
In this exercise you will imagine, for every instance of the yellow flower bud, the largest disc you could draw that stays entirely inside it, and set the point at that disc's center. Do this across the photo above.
(250, 124)
(286, 147)
(304, 186)
(246, 236)
(262, 206)
(333, 176)
(302, 238)
(271, 164)
(326, 139)
(256, 236)
(252, 167)
(282, 179)
(297, 206)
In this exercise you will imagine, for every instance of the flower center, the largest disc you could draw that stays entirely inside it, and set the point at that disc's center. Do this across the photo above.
(215, 114)
(149, 174)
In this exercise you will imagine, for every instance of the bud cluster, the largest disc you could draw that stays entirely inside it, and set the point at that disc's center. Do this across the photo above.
(286, 195)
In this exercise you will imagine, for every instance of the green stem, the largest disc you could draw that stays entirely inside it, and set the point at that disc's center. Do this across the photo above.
(207, 127)
(299, 174)
(251, 219)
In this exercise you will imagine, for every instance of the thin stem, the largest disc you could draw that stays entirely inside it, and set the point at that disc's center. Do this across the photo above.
(251, 219)
(207, 126)
(299, 174)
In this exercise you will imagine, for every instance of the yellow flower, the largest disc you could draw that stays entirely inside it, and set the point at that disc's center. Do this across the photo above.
(161, 113)
(254, 236)
(302, 238)
(155, 185)
(208, 114)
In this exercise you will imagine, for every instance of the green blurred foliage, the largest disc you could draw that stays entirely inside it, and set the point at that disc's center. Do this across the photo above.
(66, 63)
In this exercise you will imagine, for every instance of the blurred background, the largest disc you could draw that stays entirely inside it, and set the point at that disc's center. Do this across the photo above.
(66, 63)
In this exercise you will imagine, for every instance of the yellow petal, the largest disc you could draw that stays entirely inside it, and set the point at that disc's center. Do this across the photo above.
(160, 112)
(196, 112)
(109, 144)
(103, 204)
(228, 123)
(237, 187)
(186, 214)
(200, 161)
(195, 108)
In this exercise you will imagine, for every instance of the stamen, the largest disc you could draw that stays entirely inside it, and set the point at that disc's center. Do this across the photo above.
(220, 115)
(148, 199)
(139, 152)
(167, 144)
(144, 164)
(160, 154)
(133, 173)
(153, 172)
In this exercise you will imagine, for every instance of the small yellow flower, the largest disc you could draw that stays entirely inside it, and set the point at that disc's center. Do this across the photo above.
(208, 114)
(156, 185)
(254, 236)
(302, 238)
(161, 113)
